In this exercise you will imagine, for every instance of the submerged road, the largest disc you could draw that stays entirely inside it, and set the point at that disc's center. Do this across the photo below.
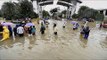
(67, 45)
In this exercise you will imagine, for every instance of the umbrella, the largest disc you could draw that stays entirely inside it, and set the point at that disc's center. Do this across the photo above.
(7, 23)
(73, 22)
(29, 24)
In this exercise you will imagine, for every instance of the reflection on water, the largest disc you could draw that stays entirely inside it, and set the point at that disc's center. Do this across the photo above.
(83, 42)
(67, 45)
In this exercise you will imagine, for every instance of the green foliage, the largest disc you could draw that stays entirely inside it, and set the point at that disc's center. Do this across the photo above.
(26, 8)
(45, 14)
(90, 13)
(99, 16)
(8, 10)
(0, 13)
(75, 16)
(22, 9)
(64, 12)
(82, 10)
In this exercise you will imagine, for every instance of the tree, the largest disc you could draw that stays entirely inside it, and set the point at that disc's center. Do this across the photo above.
(8, 10)
(64, 12)
(26, 9)
(45, 14)
(81, 10)
(90, 13)
(22, 9)
(0, 13)
(75, 16)
(99, 16)
(17, 10)
(35, 15)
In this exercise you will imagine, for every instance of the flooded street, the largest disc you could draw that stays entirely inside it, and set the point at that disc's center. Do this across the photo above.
(67, 45)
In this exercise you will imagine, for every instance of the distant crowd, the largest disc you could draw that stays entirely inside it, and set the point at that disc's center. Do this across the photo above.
(30, 29)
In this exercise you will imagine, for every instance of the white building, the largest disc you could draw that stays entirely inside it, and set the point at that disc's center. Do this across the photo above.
(70, 4)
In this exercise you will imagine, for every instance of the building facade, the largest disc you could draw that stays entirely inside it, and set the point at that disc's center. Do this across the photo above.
(70, 4)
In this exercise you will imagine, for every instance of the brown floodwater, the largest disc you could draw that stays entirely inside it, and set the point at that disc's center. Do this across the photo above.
(67, 45)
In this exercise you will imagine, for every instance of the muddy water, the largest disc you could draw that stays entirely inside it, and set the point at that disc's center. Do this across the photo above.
(67, 45)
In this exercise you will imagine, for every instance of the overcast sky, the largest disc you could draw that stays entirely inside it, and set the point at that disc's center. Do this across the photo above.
(96, 4)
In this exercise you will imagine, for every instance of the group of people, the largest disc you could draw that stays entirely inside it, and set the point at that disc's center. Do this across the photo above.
(45, 24)
(84, 31)
(21, 29)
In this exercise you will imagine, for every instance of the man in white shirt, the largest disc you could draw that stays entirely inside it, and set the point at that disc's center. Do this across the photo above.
(20, 31)
(64, 23)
